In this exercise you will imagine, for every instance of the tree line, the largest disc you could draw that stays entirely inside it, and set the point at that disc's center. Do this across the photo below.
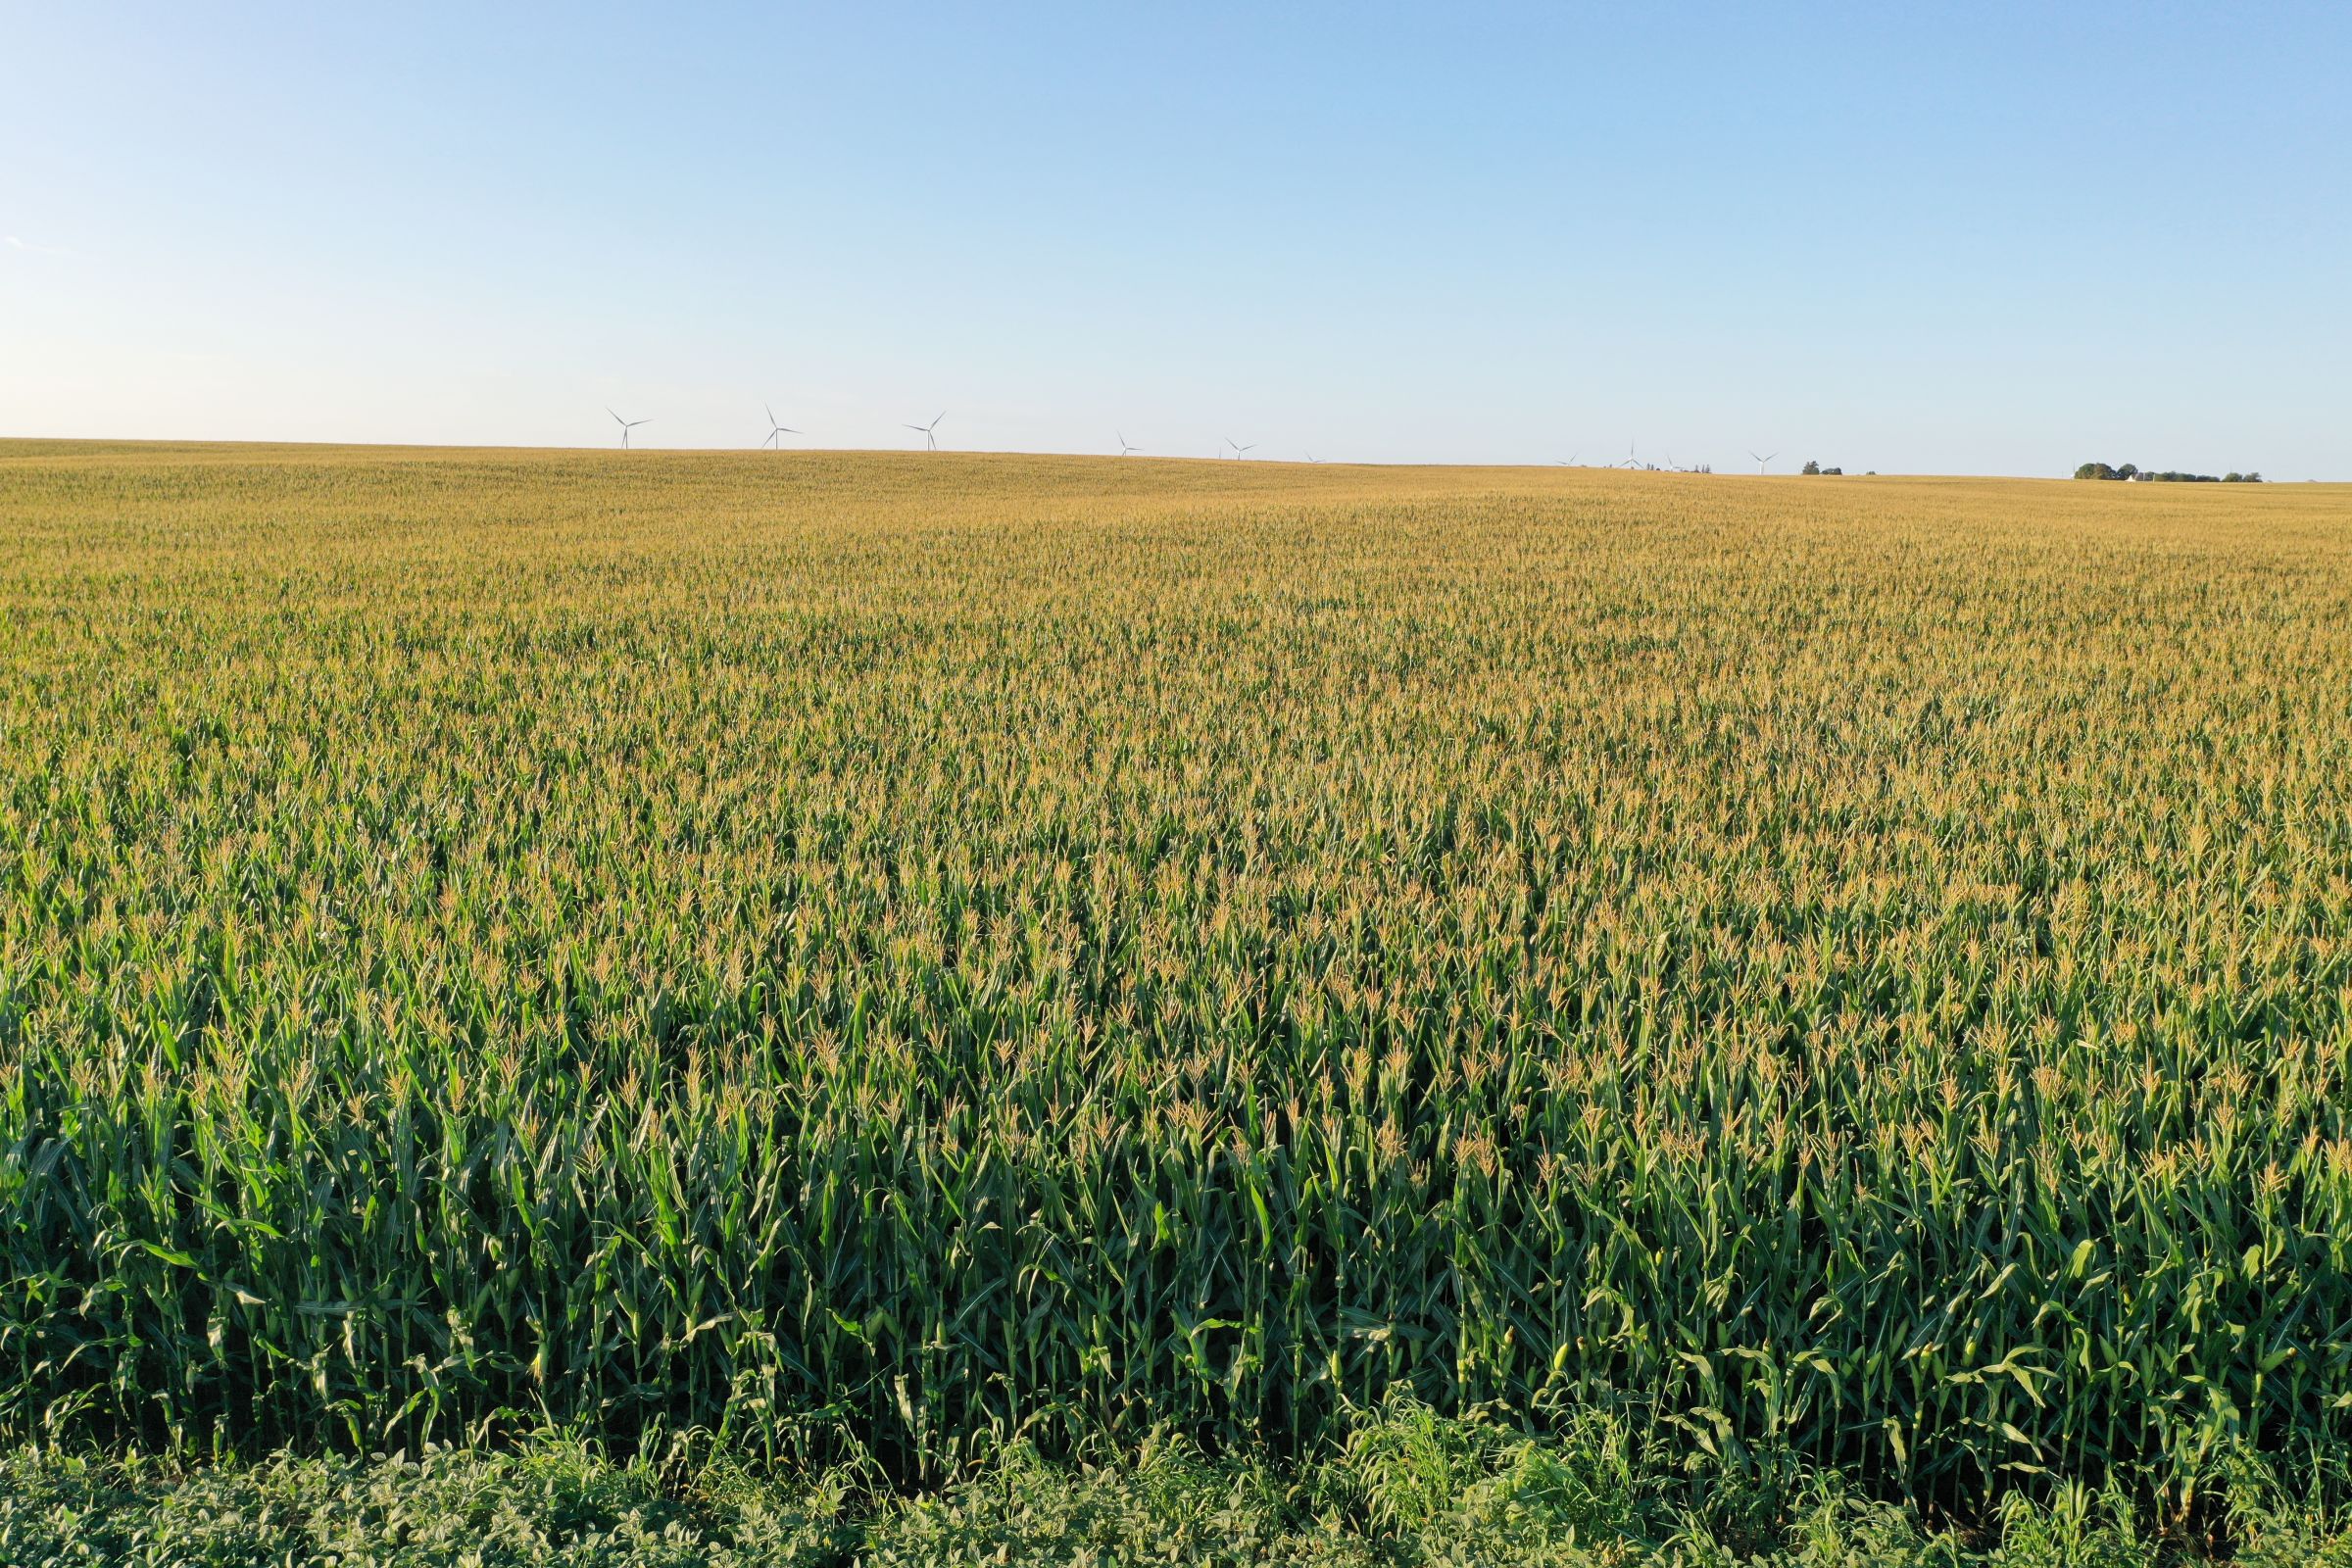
(2101, 471)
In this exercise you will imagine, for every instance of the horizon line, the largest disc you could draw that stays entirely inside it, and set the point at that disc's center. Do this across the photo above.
(767, 453)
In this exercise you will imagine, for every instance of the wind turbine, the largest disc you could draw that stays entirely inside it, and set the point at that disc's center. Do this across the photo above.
(1238, 448)
(1762, 457)
(1124, 447)
(776, 433)
(1568, 462)
(1311, 458)
(626, 425)
(929, 431)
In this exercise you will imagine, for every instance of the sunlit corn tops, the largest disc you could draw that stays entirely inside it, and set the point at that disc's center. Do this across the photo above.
(972, 946)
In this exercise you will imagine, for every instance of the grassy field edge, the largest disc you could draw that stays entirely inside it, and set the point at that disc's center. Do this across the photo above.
(1406, 1486)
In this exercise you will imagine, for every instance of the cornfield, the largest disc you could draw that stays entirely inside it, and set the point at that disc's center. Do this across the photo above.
(965, 947)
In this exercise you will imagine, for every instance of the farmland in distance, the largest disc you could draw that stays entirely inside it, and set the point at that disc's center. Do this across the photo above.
(963, 948)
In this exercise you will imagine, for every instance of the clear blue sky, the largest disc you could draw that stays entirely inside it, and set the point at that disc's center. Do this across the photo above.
(1967, 238)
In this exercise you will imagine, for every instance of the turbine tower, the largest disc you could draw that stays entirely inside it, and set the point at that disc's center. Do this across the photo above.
(929, 433)
(1762, 457)
(776, 433)
(1238, 448)
(1124, 447)
(626, 425)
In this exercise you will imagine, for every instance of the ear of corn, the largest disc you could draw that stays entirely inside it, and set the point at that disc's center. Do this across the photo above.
(990, 948)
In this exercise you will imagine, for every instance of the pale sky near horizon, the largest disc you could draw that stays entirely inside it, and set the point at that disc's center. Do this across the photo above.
(1982, 238)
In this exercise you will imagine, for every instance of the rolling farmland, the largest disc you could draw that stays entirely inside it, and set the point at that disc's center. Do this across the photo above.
(961, 947)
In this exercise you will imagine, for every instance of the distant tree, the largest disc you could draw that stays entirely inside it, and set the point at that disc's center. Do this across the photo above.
(1833, 470)
(2233, 477)
(2100, 470)
(1812, 467)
